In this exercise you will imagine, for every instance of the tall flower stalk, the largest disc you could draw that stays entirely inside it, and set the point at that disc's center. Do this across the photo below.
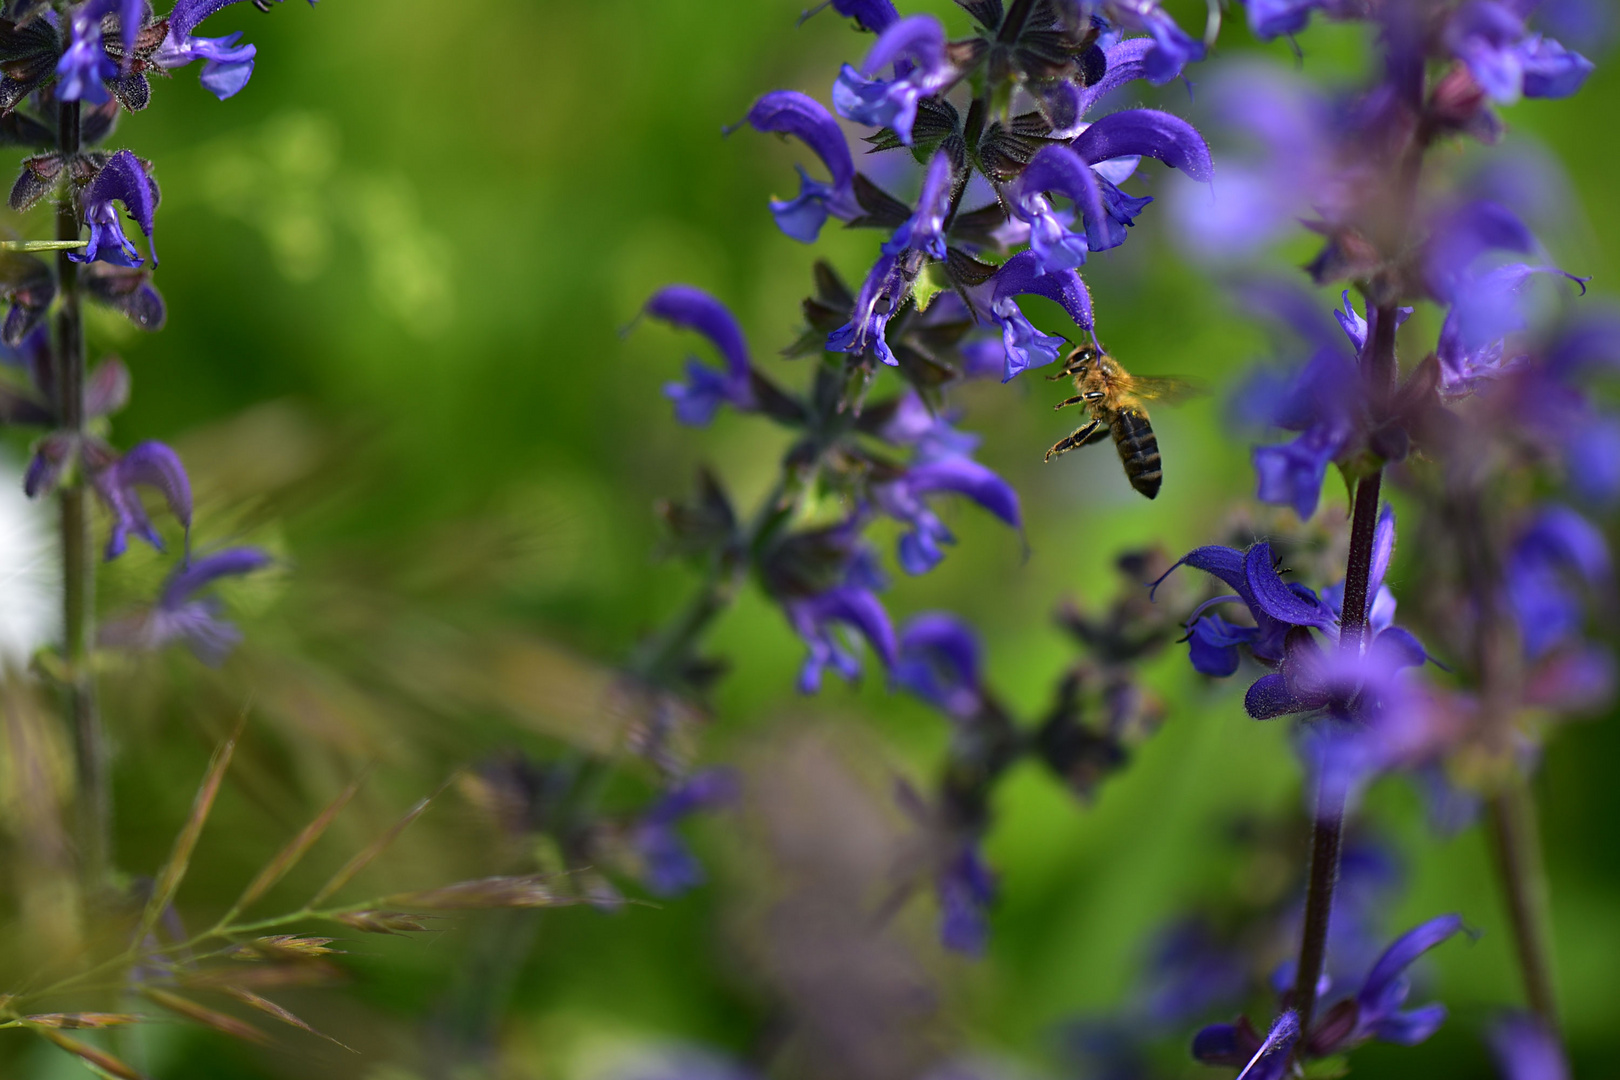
(72, 70)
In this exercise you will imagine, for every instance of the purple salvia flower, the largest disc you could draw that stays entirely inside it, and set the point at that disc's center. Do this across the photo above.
(859, 96)
(1508, 61)
(789, 112)
(1526, 1050)
(149, 464)
(180, 616)
(939, 661)
(1021, 275)
(903, 499)
(1276, 18)
(925, 230)
(1172, 48)
(1059, 170)
(874, 15)
(853, 605)
(966, 887)
(122, 180)
(1385, 989)
(1555, 564)
(697, 400)
(1239, 1045)
(880, 297)
(85, 66)
(227, 66)
(942, 463)
(668, 868)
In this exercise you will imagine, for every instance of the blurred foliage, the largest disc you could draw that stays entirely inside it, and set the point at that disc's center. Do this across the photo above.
(398, 267)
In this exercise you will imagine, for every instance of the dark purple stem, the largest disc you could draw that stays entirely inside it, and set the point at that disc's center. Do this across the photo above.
(1327, 839)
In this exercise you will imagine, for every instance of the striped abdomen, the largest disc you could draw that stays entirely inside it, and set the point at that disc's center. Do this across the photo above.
(1138, 449)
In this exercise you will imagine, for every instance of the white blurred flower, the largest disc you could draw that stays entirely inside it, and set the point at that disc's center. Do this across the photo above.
(29, 571)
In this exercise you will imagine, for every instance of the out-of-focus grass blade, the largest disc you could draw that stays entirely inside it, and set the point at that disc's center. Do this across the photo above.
(174, 870)
(229, 1025)
(82, 1021)
(526, 891)
(378, 846)
(98, 1061)
(278, 867)
(265, 1005)
(264, 976)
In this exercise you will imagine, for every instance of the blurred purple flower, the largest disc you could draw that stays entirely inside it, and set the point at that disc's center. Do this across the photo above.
(179, 615)
(148, 464)
(668, 867)
(966, 887)
(941, 463)
(916, 46)
(789, 112)
(697, 400)
(853, 605)
(939, 661)
(1526, 1050)
(874, 15)
(1552, 570)
(85, 66)
(1506, 59)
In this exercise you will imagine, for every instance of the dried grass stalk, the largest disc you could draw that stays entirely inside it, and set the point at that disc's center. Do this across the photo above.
(98, 1060)
(201, 1014)
(179, 861)
(80, 1021)
(526, 891)
(381, 922)
(283, 947)
(378, 846)
(289, 856)
(265, 1005)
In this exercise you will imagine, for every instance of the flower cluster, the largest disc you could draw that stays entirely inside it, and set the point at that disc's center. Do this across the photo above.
(1098, 713)
(1500, 392)
(80, 66)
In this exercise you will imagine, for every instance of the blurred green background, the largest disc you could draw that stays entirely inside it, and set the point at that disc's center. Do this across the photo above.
(398, 267)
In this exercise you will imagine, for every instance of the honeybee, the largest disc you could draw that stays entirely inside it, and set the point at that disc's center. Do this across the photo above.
(1113, 397)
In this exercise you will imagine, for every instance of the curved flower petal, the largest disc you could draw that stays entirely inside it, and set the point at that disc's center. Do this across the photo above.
(691, 308)
(1147, 133)
(188, 580)
(925, 229)
(1381, 994)
(917, 37)
(939, 661)
(1273, 595)
(964, 476)
(788, 112)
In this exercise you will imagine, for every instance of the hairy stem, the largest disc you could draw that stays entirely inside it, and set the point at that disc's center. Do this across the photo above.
(1523, 876)
(94, 810)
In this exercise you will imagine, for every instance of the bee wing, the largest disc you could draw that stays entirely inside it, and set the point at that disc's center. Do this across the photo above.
(1166, 388)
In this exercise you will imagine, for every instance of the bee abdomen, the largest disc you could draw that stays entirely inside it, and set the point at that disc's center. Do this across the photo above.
(1139, 450)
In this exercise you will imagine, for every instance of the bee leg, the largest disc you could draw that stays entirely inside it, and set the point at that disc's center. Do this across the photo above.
(1078, 399)
(1096, 436)
(1080, 437)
